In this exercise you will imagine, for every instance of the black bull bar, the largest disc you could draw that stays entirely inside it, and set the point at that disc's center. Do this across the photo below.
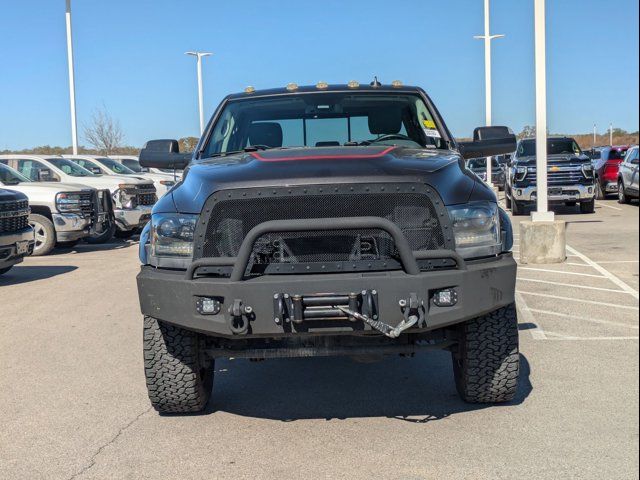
(408, 258)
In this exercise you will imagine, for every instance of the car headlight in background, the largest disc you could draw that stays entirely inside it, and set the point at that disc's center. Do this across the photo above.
(172, 234)
(521, 173)
(68, 202)
(587, 170)
(126, 197)
(477, 229)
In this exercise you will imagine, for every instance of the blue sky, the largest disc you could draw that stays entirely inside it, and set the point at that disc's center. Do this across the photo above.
(130, 58)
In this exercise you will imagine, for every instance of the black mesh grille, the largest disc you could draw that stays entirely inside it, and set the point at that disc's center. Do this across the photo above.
(231, 219)
(14, 222)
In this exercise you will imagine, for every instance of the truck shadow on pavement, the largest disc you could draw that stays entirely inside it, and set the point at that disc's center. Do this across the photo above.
(25, 274)
(418, 390)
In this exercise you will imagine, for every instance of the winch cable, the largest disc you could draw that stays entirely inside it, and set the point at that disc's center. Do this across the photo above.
(385, 329)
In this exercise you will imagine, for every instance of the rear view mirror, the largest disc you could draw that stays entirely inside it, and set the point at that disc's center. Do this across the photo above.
(163, 154)
(96, 170)
(489, 141)
(44, 175)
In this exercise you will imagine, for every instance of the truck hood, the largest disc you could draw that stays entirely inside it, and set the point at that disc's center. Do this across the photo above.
(326, 165)
(8, 195)
(563, 159)
(112, 182)
(47, 188)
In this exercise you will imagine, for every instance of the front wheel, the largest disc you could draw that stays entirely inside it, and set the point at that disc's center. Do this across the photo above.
(622, 196)
(599, 192)
(179, 378)
(45, 234)
(108, 230)
(486, 364)
(588, 207)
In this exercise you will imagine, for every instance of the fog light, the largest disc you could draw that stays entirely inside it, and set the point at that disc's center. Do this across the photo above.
(519, 193)
(590, 190)
(445, 298)
(208, 306)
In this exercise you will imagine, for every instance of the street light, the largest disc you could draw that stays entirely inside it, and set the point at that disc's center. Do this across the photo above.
(487, 37)
(72, 85)
(611, 134)
(199, 56)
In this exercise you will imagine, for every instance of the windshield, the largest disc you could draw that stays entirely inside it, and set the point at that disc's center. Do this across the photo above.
(477, 163)
(9, 176)
(115, 167)
(564, 146)
(617, 153)
(324, 120)
(70, 168)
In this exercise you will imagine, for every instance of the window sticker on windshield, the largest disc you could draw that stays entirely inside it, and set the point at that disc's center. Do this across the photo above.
(429, 124)
(431, 132)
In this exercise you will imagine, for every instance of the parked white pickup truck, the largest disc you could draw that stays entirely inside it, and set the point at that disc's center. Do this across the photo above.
(108, 166)
(61, 213)
(132, 163)
(131, 198)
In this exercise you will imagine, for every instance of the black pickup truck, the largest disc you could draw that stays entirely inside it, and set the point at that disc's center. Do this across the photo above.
(570, 176)
(327, 220)
(16, 235)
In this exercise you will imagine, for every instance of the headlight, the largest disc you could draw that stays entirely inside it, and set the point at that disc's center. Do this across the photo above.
(126, 197)
(587, 170)
(521, 173)
(172, 234)
(68, 202)
(477, 229)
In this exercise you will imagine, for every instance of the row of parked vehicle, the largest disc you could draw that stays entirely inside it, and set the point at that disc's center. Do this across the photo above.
(48, 201)
(575, 177)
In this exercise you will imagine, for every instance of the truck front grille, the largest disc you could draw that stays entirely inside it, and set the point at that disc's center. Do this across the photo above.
(147, 196)
(566, 176)
(14, 216)
(87, 203)
(229, 215)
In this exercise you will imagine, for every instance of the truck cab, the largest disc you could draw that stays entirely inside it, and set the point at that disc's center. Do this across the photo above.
(327, 220)
(570, 176)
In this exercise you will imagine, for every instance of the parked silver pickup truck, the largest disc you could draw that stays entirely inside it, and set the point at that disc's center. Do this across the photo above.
(16, 236)
(61, 213)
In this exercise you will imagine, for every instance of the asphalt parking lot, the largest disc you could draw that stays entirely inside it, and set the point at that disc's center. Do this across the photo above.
(74, 402)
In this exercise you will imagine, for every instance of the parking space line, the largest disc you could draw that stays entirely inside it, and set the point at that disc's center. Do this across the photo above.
(608, 206)
(605, 272)
(562, 272)
(557, 336)
(572, 285)
(587, 319)
(590, 302)
(525, 314)
(578, 264)
(619, 261)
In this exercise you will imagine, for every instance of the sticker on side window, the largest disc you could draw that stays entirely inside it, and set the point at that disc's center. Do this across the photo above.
(429, 124)
(431, 132)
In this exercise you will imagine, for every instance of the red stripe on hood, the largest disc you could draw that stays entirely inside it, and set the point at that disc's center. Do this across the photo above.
(361, 156)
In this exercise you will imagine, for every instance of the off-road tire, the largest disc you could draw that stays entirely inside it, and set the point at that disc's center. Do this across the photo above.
(486, 364)
(588, 207)
(45, 235)
(179, 379)
(5, 270)
(622, 195)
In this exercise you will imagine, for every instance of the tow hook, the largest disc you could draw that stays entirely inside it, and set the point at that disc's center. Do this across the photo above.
(239, 317)
(413, 311)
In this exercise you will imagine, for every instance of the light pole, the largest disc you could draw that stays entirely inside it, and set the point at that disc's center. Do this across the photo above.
(487, 37)
(594, 135)
(199, 56)
(72, 84)
(542, 212)
(611, 134)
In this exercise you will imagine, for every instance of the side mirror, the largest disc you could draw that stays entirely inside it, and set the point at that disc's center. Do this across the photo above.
(44, 175)
(163, 154)
(96, 170)
(489, 141)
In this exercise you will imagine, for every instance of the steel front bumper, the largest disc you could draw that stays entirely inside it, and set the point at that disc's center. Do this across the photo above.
(70, 227)
(569, 193)
(170, 295)
(132, 218)
(15, 246)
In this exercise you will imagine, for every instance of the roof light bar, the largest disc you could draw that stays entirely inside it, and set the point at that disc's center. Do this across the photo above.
(353, 84)
(322, 85)
(292, 87)
(249, 89)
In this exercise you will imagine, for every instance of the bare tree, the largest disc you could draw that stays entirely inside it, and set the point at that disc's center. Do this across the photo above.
(104, 133)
